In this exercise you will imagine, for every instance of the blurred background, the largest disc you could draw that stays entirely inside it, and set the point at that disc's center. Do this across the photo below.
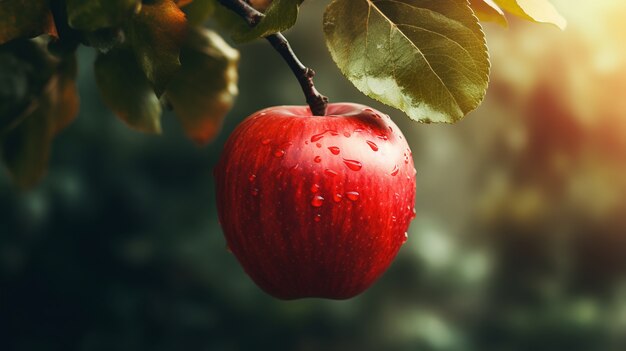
(519, 241)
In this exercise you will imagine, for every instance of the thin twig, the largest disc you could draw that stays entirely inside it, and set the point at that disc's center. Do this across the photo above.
(317, 102)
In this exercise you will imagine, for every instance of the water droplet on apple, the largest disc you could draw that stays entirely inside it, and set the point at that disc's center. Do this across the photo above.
(252, 177)
(317, 137)
(317, 218)
(414, 214)
(317, 201)
(318, 145)
(395, 170)
(315, 188)
(254, 192)
(330, 172)
(266, 141)
(317, 159)
(367, 109)
(358, 130)
(337, 197)
(406, 237)
(294, 168)
(372, 145)
(334, 150)
(390, 129)
(347, 134)
(352, 195)
(353, 165)
(383, 137)
(279, 153)
(393, 219)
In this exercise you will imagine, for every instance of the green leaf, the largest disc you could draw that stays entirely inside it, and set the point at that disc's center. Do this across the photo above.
(25, 19)
(489, 11)
(25, 149)
(205, 88)
(156, 34)
(280, 16)
(427, 58)
(127, 92)
(199, 11)
(91, 15)
(534, 10)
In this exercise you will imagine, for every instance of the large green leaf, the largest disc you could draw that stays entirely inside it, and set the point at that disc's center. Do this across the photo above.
(25, 19)
(156, 34)
(534, 10)
(127, 92)
(91, 15)
(281, 15)
(427, 58)
(204, 90)
(489, 11)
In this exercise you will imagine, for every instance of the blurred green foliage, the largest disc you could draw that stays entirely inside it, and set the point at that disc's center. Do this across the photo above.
(519, 243)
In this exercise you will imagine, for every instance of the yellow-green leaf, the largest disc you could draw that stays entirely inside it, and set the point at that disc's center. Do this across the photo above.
(91, 15)
(25, 19)
(156, 34)
(534, 10)
(427, 58)
(198, 11)
(127, 92)
(280, 16)
(489, 11)
(204, 90)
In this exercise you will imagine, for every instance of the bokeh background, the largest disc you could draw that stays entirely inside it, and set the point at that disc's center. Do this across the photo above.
(519, 241)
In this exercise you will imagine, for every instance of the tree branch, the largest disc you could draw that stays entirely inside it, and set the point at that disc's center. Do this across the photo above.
(317, 102)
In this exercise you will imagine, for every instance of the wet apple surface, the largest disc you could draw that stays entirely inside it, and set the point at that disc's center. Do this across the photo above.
(316, 206)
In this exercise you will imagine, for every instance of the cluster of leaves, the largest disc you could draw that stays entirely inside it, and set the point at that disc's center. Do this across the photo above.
(150, 54)
(427, 58)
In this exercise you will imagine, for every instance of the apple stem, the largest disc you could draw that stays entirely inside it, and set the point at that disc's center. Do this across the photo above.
(317, 102)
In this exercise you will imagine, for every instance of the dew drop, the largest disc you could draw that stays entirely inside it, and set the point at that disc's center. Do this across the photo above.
(266, 141)
(317, 201)
(395, 170)
(318, 145)
(330, 172)
(317, 137)
(279, 153)
(353, 165)
(254, 192)
(317, 159)
(252, 177)
(334, 150)
(352, 195)
(315, 188)
(317, 218)
(372, 145)
(337, 197)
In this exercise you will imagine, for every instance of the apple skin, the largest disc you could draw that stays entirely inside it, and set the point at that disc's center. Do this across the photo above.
(315, 206)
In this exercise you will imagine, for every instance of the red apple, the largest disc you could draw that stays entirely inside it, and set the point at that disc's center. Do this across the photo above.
(315, 206)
